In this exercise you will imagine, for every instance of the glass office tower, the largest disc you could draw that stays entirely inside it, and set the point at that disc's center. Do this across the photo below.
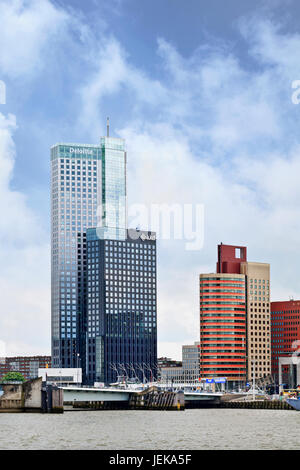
(114, 205)
(83, 178)
(121, 325)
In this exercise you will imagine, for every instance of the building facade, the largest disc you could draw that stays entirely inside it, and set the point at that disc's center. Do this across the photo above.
(121, 326)
(285, 333)
(258, 319)
(191, 362)
(163, 362)
(88, 189)
(170, 376)
(182, 372)
(230, 258)
(28, 366)
(58, 376)
(223, 327)
(233, 259)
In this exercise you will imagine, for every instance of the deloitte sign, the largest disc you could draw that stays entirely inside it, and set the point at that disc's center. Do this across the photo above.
(81, 151)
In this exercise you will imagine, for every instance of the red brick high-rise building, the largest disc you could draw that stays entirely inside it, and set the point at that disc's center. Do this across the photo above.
(223, 328)
(248, 330)
(285, 331)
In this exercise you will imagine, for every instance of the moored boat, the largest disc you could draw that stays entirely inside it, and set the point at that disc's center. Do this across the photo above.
(294, 402)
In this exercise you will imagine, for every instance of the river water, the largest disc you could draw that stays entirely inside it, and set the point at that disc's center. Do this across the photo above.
(120, 430)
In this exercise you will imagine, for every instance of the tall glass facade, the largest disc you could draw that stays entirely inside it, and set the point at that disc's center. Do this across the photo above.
(114, 204)
(121, 325)
(82, 178)
(103, 275)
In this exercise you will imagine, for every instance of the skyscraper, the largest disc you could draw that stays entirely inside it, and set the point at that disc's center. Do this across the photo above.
(249, 325)
(223, 327)
(113, 213)
(233, 259)
(121, 329)
(88, 189)
(258, 319)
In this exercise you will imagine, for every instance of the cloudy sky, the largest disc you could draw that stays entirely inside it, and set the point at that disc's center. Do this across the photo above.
(201, 92)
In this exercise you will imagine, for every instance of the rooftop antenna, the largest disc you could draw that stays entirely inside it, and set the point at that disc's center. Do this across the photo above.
(107, 126)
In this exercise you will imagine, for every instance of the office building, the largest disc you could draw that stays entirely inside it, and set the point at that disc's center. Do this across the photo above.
(172, 376)
(167, 362)
(163, 362)
(58, 376)
(88, 189)
(121, 323)
(182, 372)
(190, 362)
(28, 366)
(285, 334)
(233, 259)
(223, 327)
(258, 319)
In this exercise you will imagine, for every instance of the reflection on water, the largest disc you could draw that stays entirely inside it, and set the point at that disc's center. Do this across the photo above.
(190, 429)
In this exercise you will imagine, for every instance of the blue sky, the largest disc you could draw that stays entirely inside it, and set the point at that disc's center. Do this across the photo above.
(201, 93)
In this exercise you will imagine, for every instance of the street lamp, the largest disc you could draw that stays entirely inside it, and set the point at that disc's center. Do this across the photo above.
(253, 377)
(77, 364)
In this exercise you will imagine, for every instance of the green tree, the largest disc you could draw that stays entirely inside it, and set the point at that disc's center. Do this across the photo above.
(13, 377)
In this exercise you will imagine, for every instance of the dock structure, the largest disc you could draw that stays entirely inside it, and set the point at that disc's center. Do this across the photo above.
(202, 399)
(154, 398)
(30, 396)
(34, 396)
(257, 404)
(151, 398)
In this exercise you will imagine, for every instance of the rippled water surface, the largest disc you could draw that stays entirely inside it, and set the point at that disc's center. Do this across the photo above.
(190, 429)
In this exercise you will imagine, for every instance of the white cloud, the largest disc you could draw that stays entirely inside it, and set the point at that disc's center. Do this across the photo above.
(28, 30)
(24, 261)
(113, 74)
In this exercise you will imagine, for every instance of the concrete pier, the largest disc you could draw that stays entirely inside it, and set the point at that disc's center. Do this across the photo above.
(148, 399)
(156, 399)
(258, 405)
(31, 397)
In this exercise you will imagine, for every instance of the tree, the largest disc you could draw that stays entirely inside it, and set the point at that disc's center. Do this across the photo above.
(13, 377)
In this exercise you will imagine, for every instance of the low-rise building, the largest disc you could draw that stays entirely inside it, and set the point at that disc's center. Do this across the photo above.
(28, 366)
(185, 371)
(172, 376)
(61, 375)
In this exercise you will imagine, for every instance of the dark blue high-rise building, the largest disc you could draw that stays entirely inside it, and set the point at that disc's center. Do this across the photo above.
(120, 308)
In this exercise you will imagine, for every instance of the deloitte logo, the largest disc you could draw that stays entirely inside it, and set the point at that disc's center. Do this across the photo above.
(82, 151)
(144, 237)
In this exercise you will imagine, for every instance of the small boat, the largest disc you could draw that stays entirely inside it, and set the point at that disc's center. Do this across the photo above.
(292, 397)
(294, 402)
